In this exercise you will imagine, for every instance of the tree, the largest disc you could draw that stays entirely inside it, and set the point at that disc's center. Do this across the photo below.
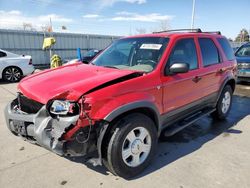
(141, 30)
(164, 25)
(28, 26)
(243, 36)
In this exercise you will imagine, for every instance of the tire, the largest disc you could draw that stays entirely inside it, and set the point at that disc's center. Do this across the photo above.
(224, 103)
(134, 137)
(12, 74)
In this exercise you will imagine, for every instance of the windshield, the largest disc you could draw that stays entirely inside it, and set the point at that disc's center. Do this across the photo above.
(243, 51)
(141, 54)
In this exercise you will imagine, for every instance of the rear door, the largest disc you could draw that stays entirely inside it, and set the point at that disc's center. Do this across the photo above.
(212, 69)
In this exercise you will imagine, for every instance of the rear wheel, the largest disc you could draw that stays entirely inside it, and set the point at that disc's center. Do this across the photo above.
(131, 146)
(12, 74)
(224, 103)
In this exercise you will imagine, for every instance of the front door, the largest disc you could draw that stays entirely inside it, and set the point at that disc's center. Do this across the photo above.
(180, 91)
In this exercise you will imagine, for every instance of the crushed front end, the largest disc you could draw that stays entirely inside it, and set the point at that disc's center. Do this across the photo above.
(70, 133)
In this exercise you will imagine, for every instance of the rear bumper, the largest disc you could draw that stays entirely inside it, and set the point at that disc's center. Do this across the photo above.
(28, 70)
(42, 129)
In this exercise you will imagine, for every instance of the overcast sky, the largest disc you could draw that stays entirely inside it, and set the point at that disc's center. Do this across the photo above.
(124, 17)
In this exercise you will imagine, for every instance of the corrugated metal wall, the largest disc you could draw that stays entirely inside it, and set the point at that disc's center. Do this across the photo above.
(30, 43)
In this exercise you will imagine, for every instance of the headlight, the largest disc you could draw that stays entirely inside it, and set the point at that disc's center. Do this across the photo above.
(60, 107)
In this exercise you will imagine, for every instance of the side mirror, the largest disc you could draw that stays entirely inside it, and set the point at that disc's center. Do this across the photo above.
(177, 68)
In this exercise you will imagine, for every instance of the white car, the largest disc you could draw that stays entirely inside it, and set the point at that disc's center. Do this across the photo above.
(13, 66)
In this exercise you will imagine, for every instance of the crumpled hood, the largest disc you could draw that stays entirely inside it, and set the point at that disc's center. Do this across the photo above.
(73, 81)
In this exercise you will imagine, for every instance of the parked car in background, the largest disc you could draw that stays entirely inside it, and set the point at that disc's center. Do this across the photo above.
(243, 62)
(91, 54)
(13, 66)
(235, 49)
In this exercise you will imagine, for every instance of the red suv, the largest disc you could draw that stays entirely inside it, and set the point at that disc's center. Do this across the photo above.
(137, 89)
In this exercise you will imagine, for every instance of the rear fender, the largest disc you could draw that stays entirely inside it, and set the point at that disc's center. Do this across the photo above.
(229, 80)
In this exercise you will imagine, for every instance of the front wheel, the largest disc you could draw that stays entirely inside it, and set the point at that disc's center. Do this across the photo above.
(224, 103)
(132, 145)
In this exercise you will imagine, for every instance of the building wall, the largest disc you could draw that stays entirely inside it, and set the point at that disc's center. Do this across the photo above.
(30, 43)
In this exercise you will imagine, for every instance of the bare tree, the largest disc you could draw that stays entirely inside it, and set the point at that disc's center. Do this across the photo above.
(163, 26)
(141, 30)
(28, 26)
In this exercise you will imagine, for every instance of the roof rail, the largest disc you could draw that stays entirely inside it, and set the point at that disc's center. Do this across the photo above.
(215, 32)
(198, 30)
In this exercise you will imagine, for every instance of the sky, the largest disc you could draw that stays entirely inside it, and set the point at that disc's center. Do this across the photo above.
(126, 17)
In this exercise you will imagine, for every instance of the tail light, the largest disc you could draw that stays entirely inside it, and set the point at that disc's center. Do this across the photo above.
(30, 62)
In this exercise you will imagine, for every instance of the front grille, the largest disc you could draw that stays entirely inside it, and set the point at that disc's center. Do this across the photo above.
(243, 65)
(28, 105)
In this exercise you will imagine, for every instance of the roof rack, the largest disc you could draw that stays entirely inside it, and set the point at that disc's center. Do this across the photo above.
(198, 30)
(215, 32)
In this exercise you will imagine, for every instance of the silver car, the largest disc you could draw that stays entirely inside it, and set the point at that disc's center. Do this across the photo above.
(13, 66)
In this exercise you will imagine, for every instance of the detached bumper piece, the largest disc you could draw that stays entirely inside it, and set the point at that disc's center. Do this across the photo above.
(42, 129)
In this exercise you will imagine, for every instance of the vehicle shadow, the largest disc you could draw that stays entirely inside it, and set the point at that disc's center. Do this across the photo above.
(191, 138)
(3, 82)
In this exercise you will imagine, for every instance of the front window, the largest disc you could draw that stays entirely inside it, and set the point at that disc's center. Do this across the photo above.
(243, 51)
(140, 54)
(184, 52)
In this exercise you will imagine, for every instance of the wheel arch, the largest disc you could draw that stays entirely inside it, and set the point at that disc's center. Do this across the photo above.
(229, 81)
(11, 67)
(144, 107)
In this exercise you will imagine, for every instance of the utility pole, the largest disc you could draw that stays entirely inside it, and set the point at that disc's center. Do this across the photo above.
(51, 35)
(193, 14)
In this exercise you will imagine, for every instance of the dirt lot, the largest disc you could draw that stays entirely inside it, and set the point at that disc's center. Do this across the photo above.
(208, 154)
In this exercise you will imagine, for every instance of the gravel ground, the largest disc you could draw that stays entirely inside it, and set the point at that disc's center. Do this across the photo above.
(207, 154)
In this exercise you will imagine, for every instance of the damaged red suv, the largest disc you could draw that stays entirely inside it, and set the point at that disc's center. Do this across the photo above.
(138, 89)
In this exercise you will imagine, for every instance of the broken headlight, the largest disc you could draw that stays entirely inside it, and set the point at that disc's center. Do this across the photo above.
(61, 107)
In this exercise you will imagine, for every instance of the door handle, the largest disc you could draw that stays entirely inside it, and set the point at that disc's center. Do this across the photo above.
(221, 70)
(196, 79)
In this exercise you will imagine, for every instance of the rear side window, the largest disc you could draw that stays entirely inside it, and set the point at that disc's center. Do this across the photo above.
(209, 51)
(2, 54)
(184, 52)
(228, 51)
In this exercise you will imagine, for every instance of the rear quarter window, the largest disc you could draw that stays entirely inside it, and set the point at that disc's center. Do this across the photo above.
(228, 50)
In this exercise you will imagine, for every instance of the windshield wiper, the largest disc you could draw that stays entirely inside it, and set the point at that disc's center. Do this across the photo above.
(110, 67)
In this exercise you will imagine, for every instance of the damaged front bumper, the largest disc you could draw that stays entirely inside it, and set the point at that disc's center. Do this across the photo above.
(48, 132)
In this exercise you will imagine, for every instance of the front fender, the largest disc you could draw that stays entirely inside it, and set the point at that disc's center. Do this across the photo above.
(132, 106)
(109, 109)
